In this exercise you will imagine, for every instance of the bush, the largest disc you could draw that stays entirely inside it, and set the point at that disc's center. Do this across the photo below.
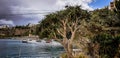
(81, 56)
(108, 45)
(64, 55)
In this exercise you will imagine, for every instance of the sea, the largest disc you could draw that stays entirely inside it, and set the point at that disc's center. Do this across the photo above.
(11, 48)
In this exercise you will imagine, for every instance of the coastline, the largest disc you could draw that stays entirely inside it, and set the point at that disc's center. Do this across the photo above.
(22, 38)
(26, 37)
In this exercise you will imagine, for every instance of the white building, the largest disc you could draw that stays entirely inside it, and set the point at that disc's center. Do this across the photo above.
(112, 5)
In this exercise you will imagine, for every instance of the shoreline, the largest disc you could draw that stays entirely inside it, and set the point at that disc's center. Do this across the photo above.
(22, 38)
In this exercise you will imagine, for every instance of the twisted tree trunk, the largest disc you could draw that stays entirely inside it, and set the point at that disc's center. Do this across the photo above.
(68, 49)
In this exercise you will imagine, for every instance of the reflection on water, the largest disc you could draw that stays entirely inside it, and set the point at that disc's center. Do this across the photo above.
(15, 48)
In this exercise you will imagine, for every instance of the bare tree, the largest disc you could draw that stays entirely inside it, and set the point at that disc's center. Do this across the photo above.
(67, 26)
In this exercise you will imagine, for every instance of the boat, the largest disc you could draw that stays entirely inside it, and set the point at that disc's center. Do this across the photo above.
(51, 42)
(29, 41)
(32, 41)
(48, 41)
(24, 41)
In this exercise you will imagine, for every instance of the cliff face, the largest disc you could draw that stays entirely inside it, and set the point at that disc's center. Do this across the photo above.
(4, 32)
(10, 32)
(21, 32)
(17, 31)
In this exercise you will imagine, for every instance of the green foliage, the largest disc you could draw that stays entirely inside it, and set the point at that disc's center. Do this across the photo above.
(64, 55)
(97, 20)
(48, 26)
(104, 17)
(118, 5)
(81, 56)
(22, 27)
(108, 45)
(26, 33)
(117, 10)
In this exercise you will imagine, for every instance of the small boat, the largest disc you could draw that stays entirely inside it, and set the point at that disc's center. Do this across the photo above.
(29, 41)
(24, 41)
(38, 41)
(32, 41)
(48, 41)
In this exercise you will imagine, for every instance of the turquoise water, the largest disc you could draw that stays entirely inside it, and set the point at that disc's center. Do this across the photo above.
(15, 48)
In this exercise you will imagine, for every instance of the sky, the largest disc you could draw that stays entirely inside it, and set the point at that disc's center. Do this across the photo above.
(22, 12)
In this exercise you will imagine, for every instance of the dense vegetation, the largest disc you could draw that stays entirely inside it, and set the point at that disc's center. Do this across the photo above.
(17, 31)
(107, 46)
(100, 27)
(117, 4)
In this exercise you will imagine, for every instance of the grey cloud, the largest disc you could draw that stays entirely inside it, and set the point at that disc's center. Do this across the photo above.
(7, 15)
(8, 9)
(5, 6)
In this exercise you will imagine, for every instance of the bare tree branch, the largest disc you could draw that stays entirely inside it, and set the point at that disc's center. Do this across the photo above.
(57, 38)
(70, 27)
(60, 32)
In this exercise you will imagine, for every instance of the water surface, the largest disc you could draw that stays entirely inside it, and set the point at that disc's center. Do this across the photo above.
(15, 48)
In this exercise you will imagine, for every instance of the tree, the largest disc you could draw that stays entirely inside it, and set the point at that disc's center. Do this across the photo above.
(65, 26)
(67, 31)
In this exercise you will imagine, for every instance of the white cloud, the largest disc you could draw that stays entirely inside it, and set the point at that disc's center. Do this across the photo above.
(46, 6)
(3, 21)
(49, 5)
(84, 3)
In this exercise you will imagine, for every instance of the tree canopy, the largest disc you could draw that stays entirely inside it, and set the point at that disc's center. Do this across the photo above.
(51, 21)
(75, 23)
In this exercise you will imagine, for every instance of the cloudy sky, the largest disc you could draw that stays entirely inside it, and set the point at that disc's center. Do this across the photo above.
(22, 12)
